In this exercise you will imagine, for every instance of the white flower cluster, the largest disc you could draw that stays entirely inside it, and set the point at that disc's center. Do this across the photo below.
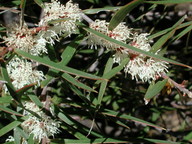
(62, 17)
(139, 67)
(12, 139)
(42, 127)
(22, 73)
(121, 33)
(34, 40)
(22, 38)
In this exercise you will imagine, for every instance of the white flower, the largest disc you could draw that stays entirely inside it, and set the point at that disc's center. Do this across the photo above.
(42, 127)
(65, 17)
(145, 70)
(22, 73)
(141, 42)
(141, 67)
(120, 55)
(121, 33)
(22, 38)
(10, 139)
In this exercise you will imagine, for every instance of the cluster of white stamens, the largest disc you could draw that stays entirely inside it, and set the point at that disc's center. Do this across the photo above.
(22, 73)
(140, 67)
(41, 127)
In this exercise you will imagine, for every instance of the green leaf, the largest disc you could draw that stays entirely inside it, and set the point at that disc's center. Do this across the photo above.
(73, 131)
(5, 99)
(57, 66)
(36, 100)
(31, 140)
(23, 4)
(128, 117)
(97, 10)
(70, 50)
(74, 81)
(169, 29)
(121, 44)
(22, 90)
(67, 55)
(79, 93)
(67, 119)
(165, 37)
(122, 13)
(11, 126)
(182, 33)
(154, 89)
(40, 3)
(168, 1)
(103, 85)
(51, 53)
(8, 110)
(188, 136)
(88, 141)
(114, 71)
(9, 84)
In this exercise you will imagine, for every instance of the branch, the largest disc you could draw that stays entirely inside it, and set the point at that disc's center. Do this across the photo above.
(180, 87)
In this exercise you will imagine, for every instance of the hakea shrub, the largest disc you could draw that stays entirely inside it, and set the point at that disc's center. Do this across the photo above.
(59, 20)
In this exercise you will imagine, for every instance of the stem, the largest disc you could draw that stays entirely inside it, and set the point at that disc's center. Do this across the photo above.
(178, 86)
(86, 18)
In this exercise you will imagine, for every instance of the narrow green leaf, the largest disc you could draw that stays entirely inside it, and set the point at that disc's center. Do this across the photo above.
(8, 80)
(57, 66)
(183, 32)
(79, 93)
(74, 81)
(168, 1)
(103, 85)
(21, 133)
(122, 13)
(110, 140)
(36, 100)
(154, 89)
(169, 29)
(23, 3)
(8, 110)
(11, 126)
(67, 119)
(40, 3)
(5, 99)
(51, 53)
(31, 140)
(128, 117)
(70, 50)
(48, 79)
(100, 35)
(22, 90)
(165, 37)
(114, 71)
(67, 55)
(71, 129)
(188, 136)
(97, 10)
(159, 44)
(88, 141)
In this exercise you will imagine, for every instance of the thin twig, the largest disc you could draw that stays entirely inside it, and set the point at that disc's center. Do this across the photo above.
(86, 18)
(178, 86)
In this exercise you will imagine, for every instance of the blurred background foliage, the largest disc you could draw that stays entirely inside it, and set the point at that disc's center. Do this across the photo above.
(169, 109)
